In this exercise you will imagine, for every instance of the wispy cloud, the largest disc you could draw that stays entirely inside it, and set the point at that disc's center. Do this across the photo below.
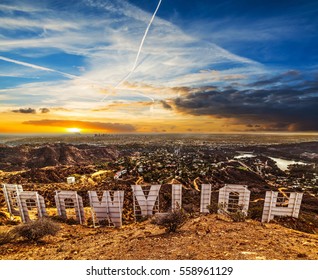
(192, 70)
(21, 7)
(41, 24)
(110, 45)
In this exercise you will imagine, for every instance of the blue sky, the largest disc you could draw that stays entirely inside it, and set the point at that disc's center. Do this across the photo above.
(274, 32)
(205, 66)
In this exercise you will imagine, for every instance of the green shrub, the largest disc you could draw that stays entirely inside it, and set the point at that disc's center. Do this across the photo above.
(213, 208)
(255, 212)
(36, 230)
(172, 221)
(236, 215)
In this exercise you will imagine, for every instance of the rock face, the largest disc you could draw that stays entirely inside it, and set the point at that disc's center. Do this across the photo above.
(25, 156)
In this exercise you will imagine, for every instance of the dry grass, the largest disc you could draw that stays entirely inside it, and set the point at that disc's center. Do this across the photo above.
(6, 237)
(172, 221)
(36, 230)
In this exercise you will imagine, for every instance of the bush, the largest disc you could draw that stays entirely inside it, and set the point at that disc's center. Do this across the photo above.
(141, 219)
(172, 221)
(3, 218)
(237, 215)
(310, 218)
(36, 230)
(300, 224)
(6, 237)
(3, 214)
(255, 213)
(213, 208)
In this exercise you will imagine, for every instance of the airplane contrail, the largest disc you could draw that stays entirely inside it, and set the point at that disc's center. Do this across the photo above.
(67, 75)
(70, 76)
(34, 66)
(140, 46)
(139, 51)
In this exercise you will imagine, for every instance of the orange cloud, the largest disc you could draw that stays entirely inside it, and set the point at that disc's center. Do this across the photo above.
(109, 127)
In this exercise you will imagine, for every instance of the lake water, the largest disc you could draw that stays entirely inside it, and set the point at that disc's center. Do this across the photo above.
(281, 163)
(245, 156)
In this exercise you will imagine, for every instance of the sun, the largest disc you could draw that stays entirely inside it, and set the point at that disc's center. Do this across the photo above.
(74, 130)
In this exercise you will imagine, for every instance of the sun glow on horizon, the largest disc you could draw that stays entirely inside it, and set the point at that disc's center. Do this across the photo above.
(74, 130)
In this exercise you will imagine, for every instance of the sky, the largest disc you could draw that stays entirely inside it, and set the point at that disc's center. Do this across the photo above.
(204, 66)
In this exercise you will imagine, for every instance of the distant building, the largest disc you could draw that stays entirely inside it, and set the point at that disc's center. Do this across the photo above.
(119, 174)
(70, 180)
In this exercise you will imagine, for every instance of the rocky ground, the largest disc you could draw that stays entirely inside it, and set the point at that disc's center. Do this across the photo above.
(203, 237)
(44, 168)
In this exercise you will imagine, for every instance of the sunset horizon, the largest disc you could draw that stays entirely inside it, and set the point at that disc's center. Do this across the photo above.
(158, 67)
(66, 132)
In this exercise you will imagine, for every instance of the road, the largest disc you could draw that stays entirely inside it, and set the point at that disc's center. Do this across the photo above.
(196, 186)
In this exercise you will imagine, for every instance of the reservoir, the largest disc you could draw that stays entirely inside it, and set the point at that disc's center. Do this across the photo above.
(245, 156)
(281, 163)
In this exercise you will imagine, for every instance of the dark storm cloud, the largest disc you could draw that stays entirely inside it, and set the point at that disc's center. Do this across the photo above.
(271, 109)
(25, 111)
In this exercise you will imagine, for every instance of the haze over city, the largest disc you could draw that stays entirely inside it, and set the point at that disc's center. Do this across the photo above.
(204, 66)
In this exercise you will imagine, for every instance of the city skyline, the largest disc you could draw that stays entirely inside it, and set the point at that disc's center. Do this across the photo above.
(204, 67)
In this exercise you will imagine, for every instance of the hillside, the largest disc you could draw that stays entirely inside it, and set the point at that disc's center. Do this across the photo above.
(203, 237)
(37, 156)
(44, 167)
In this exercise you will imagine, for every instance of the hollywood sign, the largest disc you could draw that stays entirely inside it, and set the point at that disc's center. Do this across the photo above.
(145, 202)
